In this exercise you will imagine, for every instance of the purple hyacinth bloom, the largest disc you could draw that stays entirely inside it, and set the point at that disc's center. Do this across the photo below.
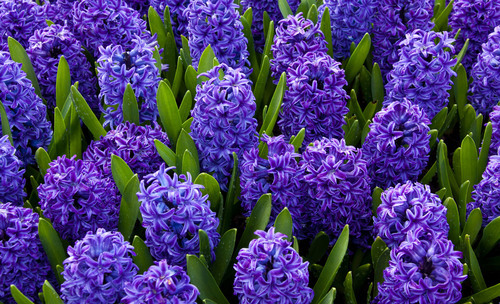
(486, 194)
(295, 37)
(397, 145)
(141, 6)
(118, 66)
(475, 19)
(223, 120)
(97, 268)
(26, 111)
(350, 20)
(173, 210)
(77, 198)
(423, 72)
(45, 49)
(424, 269)
(495, 135)
(395, 18)
(177, 18)
(23, 260)
(11, 179)
(485, 87)
(217, 23)
(161, 283)
(338, 187)
(315, 99)
(270, 271)
(60, 11)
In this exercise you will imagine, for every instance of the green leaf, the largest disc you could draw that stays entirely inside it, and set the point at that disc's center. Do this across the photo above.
(486, 295)
(130, 107)
(443, 177)
(465, 198)
(258, 220)
(204, 244)
(350, 297)
(298, 139)
(284, 8)
(377, 85)
(211, 188)
(329, 297)
(204, 281)
(232, 196)
(462, 53)
(185, 142)
(86, 114)
(439, 119)
(485, 149)
(223, 255)
(75, 134)
(312, 14)
(191, 79)
(353, 136)
(42, 160)
(52, 245)
(473, 225)
(378, 248)
(190, 164)
(441, 22)
(468, 159)
(18, 296)
(63, 82)
(356, 109)
(166, 153)
(475, 275)
(18, 54)
(430, 174)
(318, 247)
(185, 52)
(169, 113)
(376, 200)
(121, 172)
(453, 219)
(156, 26)
(186, 126)
(382, 264)
(358, 58)
(283, 223)
(186, 104)
(467, 121)
(143, 258)
(5, 123)
(274, 107)
(50, 294)
(178, 77)
(491, 236)
(260, 85)
(460, 88)
(59, 145)
(129, 208)
(269, 41)
(326, 28)
(252, 57)
(206, 63)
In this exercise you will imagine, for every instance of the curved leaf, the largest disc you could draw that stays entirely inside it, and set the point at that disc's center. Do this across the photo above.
(129, 208)
(143, 258)
(86, 114)
(50, 294)
(52, 245)
(63, 82)
(283, 223)
(130, 107)
(18, 296)
(18, 54)
(169, 113)
(358, 58)
(258, 220)
(204, 281)
(223, 255)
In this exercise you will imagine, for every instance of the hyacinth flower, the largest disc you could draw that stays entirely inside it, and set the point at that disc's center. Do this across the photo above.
(408, 207)
(475, 19)
(486, 194)
(223, 120)
(11, 179)
(270, 271)
(315, 99)
(495, 135)
(77, 198)
(26, 112)
(45, 49)
(423, 269)
(485, 73)
(295, 37)
(397, 145)
(23, 260)
(350, 20)
(173, 210)
(141, 6)
(161, 283)
(178, 20)
(118, 66)
(338, 187)
(60, 11)
(394, 19)
(134, 144)
(217, 23)
(423, 72)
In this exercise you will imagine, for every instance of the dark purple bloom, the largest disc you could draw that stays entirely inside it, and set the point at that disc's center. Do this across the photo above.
(394, 19)
(486, 194)
(26, 111)
(46, 48)
(217, 22)
(118, 66)
(23, 260)
(162, 283)
(141, 6)
(495, 135)
(177, 18)
(315, 99)
(60, 11)
(423, 72)
(408, 207)
(223, 120)
(97, 268)
(173, 210)
(77, 198)
(134, 144)
(11, 179)
(397, 145)
(270, 271)
(295, 37)
(338, 187)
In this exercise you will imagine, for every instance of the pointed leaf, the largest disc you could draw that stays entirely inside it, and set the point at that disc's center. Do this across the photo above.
(318, 247)
(5, 123)
(377, 250)
(169, 113)
(130, 107)
(284, 8)
(326, 28)
(485, 149)
(63, 82)
(204, 281)
(298, 140)
(186, 105)
(358, 58)
(86, 114)
(350, 297)
(50, 294)
(212, 188)
(475, 275)
(274, 107)
(223, 255)
(260, 85)
(52, 245)
(121, 172)
(190, 164)
(329, 297)
(258, 220)
(283, 223)
(453, 219)
(143, 258)
(42, 160)
(473, 225)
(166, 153)
(18, 54)
(18, 296)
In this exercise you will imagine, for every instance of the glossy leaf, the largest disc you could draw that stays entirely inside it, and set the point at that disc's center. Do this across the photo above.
(378, 248)
(381, 265)
(206, 63)
(329, 297)
(453, 219)
(129, 208)
(298, 139)
(441, 22)
(260, 85)
(42, 160)
(121, 172)
(326, 28)
(59, 144)
(460, 88)
(169, 113)
(274, 107)
(75, 134)
(52, 245)
(358, 58)
(142, 258)
(5, 123)
(486, 295)
(376, 200)
(18, 54)
(86, 114)
(50, 294)
(18, 296)
(283, 223)
(468, 160)
(377, 85)
(190, 164)
(63, 82)
(166, 153)
(318, 247)
(204, 281)
(186, 105)
(485, 149)
(350, 297)
(473, 225)
(130, 108)
(284, 8)
(258, 220)
(475, 275)
(232, 196)
(223, 255)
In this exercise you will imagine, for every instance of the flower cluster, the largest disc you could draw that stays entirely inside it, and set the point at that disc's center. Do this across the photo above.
(11, 179)
(486, 194)
(315, 99)
(26, 111)
(60, 11)
(397, 145)
(23, 260)
(271, 271)
(423, 72)
(141, 6)
(97, 268)
(118, 67)
(223, 120)
(177, 18)
(495, 135)
(162, 283)
(173, 210)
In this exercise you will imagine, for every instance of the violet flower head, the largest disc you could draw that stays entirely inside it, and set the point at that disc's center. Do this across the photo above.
(77, 198)
(223, 120)
(394, 19)
(485, 87)
(173, 210)
(141, 6)
(60, 11)
(315, 99)
(11, 179)
(295, 37)
(495, 135)
(486, 194)
(270, 271)
(408, 207)
(26, 111)
(338, 186)
(97, 268)
(423, 72)
(118, 66)
(177, 18)
(350, 20)
(22, 257)
(397, 145)
(423, 269)
(134, 144)
(217, 23)
(476, 19)
(162, 283)
(45, 49)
